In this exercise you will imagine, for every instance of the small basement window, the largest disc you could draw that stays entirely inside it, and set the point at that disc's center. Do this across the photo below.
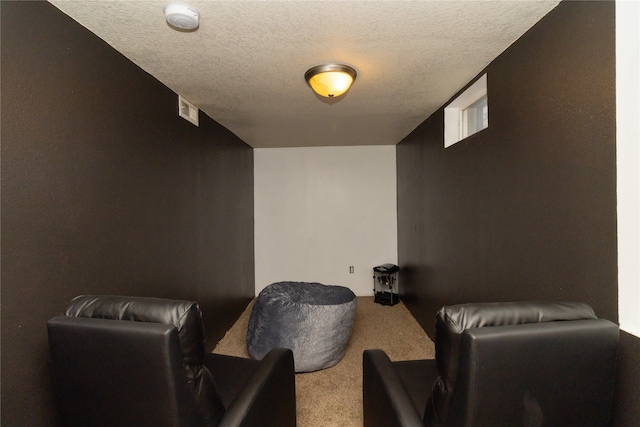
(467, 114)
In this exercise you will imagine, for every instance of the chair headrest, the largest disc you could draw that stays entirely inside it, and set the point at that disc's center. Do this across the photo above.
(185, 315)
(477, 315)
(452, 321)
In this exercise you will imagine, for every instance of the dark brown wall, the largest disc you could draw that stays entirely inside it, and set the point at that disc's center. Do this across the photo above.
(626, 406)
(106, 190)
(527, 208)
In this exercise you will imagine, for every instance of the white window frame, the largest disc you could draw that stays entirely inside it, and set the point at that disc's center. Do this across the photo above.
(454, 113)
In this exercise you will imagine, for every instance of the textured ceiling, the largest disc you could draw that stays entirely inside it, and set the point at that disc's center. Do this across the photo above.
(245, 65)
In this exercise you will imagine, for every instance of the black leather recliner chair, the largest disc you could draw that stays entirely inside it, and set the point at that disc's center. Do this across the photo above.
(500, 364)
(128, 361)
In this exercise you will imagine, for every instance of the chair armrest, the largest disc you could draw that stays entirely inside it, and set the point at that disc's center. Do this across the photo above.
(269, 397)
(386, 401)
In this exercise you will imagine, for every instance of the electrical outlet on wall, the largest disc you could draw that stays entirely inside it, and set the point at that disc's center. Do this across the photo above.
(351, 269)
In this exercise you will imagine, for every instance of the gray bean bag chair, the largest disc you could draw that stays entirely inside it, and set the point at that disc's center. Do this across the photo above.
(313, 320)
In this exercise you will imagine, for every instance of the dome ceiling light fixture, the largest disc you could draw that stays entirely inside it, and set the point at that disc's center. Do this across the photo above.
(330, 80)
(181, 16)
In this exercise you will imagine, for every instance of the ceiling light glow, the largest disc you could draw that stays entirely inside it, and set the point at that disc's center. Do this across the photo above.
(330, 80)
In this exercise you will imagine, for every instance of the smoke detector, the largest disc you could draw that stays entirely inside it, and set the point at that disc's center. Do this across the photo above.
(181, 16)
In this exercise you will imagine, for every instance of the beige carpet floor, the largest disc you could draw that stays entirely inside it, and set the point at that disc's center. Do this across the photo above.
(333, 396)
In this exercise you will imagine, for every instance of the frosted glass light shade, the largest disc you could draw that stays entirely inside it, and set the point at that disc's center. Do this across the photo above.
(330, 80)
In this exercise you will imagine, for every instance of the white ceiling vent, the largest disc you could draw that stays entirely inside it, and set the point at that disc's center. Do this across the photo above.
(188, 111)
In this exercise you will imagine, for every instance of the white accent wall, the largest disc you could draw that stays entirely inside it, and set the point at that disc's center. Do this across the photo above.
(320, 210)
(628, 154)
